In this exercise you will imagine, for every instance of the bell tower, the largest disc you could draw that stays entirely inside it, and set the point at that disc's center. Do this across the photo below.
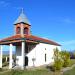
(22, 25)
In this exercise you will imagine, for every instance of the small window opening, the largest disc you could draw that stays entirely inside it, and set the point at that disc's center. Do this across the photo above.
(18, 30)
(25, 30)
(45, 58)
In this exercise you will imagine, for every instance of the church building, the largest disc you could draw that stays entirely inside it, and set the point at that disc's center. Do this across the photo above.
(31, 50)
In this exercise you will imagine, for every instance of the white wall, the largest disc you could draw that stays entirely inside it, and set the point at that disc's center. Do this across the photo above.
(39, 54)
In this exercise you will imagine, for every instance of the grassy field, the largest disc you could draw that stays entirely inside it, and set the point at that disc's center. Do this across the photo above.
(35, 72)
(70, 72)
(38, 71)
(72, 62)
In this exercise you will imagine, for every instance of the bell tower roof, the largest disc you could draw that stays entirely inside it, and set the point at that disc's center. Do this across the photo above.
(22, 18)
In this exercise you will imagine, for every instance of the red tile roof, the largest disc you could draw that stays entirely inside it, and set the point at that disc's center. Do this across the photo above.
(29, 37)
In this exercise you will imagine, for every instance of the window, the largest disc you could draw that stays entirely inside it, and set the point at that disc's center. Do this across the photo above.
(45, 58)
(18, 30)
(45, 48)
(25, 31)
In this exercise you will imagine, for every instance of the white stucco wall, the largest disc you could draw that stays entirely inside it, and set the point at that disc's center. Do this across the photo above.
(39, 54)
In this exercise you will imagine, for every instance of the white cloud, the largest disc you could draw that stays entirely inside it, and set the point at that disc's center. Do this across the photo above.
(4, 3)
(18, 7)
(68, 20)
(66, 43)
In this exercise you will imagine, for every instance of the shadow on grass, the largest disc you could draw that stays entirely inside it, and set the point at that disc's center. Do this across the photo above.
(51, 68)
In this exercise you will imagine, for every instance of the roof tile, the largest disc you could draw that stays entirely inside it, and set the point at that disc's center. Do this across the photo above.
(30, 37)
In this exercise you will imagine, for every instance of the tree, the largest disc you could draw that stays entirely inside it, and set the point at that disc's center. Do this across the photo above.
(61, 59)
(65, 56)
(57, 60)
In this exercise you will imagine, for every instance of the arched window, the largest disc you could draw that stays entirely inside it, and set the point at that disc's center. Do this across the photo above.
(25, 31)
(18, 30)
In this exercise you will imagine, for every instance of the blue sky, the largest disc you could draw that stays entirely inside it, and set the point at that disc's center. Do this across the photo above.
(52, 19)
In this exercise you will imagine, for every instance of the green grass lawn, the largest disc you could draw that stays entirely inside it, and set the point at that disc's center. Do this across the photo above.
(70, 72)
(39, 71)
(72, 62)
(30, 72)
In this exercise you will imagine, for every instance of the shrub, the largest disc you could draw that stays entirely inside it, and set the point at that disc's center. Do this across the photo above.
(66, 63)
(57, 60)
(66, 58)
(58, 64)
(61, 59)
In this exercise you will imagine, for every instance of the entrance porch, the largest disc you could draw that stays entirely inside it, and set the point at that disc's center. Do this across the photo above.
(22, 48)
